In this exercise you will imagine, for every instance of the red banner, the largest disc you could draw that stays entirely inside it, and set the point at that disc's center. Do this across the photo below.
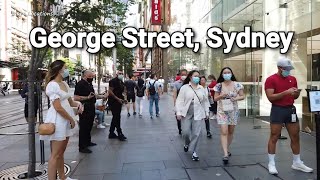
(156, 12)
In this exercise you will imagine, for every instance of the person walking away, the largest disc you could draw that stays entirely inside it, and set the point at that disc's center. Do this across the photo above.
(213, 104)
(130, 86)
(100, 113)
(62, 115)
(153, 94)
(203, 82)
(192, 107)
(84, 92)
(281, 90)
(161, 81)
(176, 89)
(24, 94)
(116, 99)
(227, 93)
(141, 88)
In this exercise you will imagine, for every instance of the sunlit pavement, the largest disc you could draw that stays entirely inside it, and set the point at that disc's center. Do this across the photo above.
(154, 149)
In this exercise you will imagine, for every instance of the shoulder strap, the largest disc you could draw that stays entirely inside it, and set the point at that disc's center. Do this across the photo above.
(195, 93)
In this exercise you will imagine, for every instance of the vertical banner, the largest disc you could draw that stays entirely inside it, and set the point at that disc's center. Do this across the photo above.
(156, 12)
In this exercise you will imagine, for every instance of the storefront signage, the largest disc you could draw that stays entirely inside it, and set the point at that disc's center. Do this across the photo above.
(156, 12)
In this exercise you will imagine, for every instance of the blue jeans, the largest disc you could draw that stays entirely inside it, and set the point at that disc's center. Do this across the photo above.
(154, 99)
(100, 115)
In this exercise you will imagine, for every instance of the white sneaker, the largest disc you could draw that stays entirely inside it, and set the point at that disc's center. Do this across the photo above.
(272, 169)
(100, 126)
(106, 124)
(301, 167)
(70, 179)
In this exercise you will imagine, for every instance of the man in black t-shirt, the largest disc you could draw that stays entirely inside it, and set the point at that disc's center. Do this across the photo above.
(131, 94)
(84, 92)
(115, 101)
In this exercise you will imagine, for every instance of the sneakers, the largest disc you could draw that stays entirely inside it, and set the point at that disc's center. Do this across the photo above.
(100, 126)
(129, 114)
(106, 124)
(140, 115)
(272, 169)
(180, 131)
(301, 167)
(151, 117)
(157, 115)
(85, 151)
(186, 148)
(195, 156)
(134, 113)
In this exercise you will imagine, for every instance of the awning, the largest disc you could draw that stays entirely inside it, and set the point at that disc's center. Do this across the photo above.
(8, 64)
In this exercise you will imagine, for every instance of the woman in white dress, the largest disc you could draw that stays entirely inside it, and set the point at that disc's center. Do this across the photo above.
(61, 114)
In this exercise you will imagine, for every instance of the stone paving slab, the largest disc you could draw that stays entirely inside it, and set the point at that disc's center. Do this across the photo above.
(154, 150)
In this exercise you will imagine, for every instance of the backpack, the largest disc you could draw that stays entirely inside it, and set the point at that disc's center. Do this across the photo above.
(140, 92)
(152, 88)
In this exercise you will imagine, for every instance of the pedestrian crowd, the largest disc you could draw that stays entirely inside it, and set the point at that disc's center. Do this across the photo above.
(195, 101)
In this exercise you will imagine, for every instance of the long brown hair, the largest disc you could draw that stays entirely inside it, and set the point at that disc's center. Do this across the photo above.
(54, 70)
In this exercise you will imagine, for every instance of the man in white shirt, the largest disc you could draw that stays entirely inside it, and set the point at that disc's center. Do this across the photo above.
(153, 94)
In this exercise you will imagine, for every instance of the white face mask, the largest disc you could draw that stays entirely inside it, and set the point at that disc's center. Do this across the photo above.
(183, 78)
(65, 73)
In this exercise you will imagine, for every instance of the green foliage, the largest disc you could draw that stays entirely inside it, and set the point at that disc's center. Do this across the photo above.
(70, 64)
(125, 59)
(78, 68)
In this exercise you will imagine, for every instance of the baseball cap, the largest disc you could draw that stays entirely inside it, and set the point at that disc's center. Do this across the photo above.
(285, 63)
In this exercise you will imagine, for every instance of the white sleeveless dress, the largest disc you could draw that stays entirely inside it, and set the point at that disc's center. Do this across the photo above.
(63, 127)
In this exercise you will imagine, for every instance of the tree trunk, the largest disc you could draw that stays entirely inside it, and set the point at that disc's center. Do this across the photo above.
(31, 114)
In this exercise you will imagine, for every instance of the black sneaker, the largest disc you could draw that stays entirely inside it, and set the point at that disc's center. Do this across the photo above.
(186, 148)
(129, 114)
(283, 138)
(229, 154)
(134, 113)
(195, 157)
(113, 136)
(209, 135)
(225, 160)
(180, 132)
(85, 150)
(151, 117)
(121, 137)
(157, 115)
(92, 144)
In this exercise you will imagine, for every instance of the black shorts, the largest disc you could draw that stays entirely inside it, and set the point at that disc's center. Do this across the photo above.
(282, 114)
(213, 107)
(131, 98)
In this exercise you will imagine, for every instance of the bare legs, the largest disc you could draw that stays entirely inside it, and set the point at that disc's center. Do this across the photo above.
(56, 161)
(226, 137)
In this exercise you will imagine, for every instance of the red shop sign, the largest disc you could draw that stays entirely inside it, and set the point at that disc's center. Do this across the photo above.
(156, 12)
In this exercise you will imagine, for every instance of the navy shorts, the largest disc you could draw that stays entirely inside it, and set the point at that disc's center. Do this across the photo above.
(282, 114)
(131, 98)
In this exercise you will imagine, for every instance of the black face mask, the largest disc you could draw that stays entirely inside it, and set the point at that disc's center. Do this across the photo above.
(89, 80)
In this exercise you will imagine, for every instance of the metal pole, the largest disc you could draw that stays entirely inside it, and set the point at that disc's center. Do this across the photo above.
(318, 142)
(40, 108)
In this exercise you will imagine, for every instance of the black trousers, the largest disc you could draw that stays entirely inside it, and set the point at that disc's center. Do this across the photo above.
(178, 123)
(116, 118)
(207, 125)
(86, 123)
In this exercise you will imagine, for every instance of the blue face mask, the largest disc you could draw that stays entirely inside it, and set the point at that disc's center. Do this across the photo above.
(65, 73)
(285, 73)
(195, 80)
(227, 77)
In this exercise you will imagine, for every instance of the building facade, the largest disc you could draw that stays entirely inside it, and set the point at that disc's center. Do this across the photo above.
(15, 25)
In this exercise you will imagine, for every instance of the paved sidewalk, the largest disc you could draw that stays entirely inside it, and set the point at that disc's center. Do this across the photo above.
(154, 151)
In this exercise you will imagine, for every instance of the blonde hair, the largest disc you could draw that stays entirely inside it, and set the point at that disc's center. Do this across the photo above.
(53, 71)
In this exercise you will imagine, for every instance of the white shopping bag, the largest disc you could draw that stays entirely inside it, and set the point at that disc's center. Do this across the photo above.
(227, 105)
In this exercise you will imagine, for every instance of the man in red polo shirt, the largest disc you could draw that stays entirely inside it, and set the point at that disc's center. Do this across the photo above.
(281, 90)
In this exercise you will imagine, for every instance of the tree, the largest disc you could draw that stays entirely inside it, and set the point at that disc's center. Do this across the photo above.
(125, 59)
(77, 16)
(70, 64)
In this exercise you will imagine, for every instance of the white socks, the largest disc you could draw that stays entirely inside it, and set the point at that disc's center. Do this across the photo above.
(271, 159)
(296, 158)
